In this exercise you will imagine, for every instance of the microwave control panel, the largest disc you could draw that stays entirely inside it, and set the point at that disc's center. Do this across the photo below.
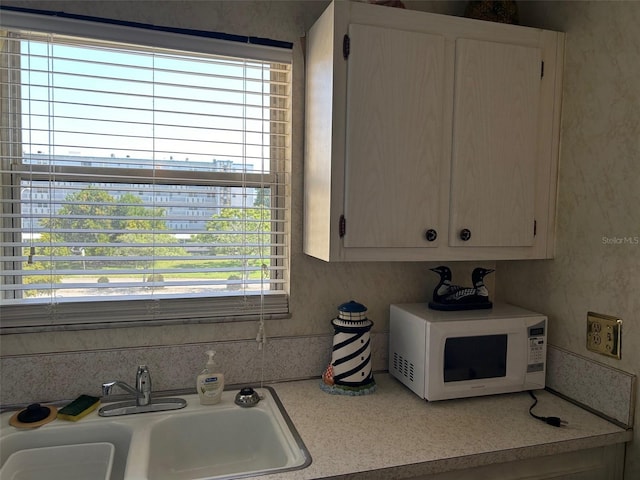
(537, 348)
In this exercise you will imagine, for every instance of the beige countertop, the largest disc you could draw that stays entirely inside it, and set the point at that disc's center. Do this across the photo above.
(392, 432)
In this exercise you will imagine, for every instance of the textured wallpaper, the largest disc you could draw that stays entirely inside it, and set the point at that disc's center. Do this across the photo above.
(597, 264)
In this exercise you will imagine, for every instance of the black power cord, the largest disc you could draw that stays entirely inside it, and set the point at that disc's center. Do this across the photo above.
(553, 421)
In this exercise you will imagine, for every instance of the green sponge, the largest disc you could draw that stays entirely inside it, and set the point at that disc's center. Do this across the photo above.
(81, 406)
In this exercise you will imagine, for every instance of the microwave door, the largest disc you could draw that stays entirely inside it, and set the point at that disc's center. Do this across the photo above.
(475, 358)
(479, 364)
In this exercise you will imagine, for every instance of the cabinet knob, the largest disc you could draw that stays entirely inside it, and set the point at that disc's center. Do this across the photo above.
(465, 234)
(431, 235)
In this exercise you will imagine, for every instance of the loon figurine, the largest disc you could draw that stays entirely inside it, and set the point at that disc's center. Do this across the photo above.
(444, 288)
(462, 298)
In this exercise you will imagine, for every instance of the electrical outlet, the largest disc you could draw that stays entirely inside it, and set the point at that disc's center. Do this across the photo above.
(604, 334)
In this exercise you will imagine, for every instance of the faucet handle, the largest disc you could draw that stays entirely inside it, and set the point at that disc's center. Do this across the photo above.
(143, 379)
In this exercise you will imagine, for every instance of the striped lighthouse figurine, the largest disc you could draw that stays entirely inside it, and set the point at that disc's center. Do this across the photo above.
(349, 372)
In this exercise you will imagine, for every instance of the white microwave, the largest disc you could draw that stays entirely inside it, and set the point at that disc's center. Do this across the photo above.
(452, 354)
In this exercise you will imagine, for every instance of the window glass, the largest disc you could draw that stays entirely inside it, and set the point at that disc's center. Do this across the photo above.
(135, 178)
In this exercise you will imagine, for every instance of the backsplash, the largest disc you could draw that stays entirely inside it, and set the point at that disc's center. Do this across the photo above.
(594, 385)
(63, 376)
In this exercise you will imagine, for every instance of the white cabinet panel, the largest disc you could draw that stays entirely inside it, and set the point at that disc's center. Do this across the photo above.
(394, 137)
(602, 463)
(497, 90)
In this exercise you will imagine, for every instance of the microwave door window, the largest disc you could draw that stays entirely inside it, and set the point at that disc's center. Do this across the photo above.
(472, 358)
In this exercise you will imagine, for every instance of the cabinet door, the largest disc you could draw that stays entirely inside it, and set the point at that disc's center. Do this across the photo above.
(394, 140)
(601, 463)
(497, 89)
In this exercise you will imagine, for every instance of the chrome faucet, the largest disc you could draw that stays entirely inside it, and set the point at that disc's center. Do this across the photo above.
(142, 390)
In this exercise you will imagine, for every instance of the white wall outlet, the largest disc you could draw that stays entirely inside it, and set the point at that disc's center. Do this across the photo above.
(604, 334)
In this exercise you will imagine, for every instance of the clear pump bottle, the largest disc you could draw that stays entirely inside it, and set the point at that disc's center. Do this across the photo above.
(209, 383)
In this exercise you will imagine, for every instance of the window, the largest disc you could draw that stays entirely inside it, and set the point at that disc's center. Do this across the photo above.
(140, 182)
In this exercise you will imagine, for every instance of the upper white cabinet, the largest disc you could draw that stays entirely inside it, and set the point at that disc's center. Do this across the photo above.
(429, 137)
(396, 92)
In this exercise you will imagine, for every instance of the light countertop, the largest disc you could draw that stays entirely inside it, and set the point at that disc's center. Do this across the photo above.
(393, 432)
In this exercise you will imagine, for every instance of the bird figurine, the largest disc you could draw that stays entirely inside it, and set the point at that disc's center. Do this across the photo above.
(453, 297)
(444, 288)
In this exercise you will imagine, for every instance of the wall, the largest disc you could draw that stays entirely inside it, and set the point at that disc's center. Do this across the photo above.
(317, 288)
(599, 197)
(597, 261)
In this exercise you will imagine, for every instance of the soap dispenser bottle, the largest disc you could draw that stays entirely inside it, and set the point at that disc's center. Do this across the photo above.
(209, 383)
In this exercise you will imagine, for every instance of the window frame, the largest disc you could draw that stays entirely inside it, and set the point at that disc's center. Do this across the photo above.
(73, 315)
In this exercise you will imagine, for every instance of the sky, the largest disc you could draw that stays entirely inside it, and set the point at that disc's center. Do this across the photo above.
(98, 102)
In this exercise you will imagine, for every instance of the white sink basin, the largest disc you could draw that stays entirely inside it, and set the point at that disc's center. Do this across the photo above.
(218, 443)
(61, 432)
(63, 462)
(198, 442)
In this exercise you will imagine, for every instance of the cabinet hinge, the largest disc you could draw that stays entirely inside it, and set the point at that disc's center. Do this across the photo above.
(346, 46)
(541, 69)
(342, 226)
(535, 227)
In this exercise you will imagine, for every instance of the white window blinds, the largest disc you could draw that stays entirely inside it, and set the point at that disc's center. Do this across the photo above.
(140, 183)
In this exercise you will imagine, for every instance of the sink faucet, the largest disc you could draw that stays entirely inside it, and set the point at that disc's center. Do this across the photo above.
(142, 390)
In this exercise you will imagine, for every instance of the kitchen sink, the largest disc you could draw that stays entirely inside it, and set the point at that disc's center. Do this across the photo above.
(61, 433)
(198, 442)
(221, 443)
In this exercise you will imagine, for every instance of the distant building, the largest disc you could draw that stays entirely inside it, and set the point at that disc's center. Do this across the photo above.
(187, 208)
